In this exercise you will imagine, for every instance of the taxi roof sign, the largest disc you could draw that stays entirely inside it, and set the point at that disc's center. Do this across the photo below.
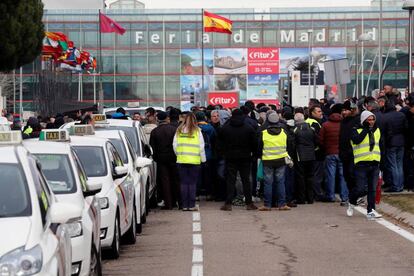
(55, 135)
(99, 118)
(10, 137)
(80, 130)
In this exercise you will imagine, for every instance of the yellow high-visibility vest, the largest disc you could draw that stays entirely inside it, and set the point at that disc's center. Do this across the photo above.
(188, 148)
(274, 146)
(311, 121)
(361, 151)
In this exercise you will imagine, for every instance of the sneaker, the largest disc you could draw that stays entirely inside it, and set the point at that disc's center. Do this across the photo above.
(371, 216)
(161, 203)
(251, 207)
(226, 207)
(344, 203)
(185, 209)
(195, 208)
(284, 208)
(264, 208)
(376, 214)
(361, 201)
(350, 210)
(292, 204)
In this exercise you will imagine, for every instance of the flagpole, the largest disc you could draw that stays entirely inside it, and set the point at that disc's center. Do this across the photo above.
(100, 64)
(202, 96)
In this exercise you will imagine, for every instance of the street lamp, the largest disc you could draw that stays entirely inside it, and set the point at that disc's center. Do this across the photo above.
(315, 54)
(363, 37)
(310, 38)
(409, 5)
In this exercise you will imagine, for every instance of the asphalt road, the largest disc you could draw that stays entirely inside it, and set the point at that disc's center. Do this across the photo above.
(313, 239)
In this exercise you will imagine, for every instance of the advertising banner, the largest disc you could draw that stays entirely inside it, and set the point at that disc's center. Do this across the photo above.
(226, 99)
(263, 61)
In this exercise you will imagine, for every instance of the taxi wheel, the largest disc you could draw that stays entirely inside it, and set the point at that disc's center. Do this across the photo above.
(116, 242)
(131, 234)
(95, 263)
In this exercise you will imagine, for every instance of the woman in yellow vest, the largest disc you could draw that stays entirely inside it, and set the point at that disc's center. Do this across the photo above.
(188, 145)
(365, 141)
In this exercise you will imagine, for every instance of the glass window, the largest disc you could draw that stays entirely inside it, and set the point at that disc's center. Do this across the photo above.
(132, 136)
(92, 159)
(120, 147)
(58, 172)
(155, 61)
(14, 193)
(81, 172)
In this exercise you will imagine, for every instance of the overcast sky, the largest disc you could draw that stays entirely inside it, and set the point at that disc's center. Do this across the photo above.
(209, 4)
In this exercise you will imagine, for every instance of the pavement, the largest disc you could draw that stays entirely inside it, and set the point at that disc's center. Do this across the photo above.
(316, 239)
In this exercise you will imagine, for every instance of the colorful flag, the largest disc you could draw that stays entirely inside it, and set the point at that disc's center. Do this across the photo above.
(110, 26)
(216, 23)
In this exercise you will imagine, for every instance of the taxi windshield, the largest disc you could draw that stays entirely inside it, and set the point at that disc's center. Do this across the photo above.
(132, 135)
(58, 172)
(120, 147)
(92, 159)
(14, 194)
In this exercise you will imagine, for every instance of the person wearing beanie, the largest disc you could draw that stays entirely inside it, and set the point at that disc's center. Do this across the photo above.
(209, 135)
(329, 142)
(305, 139)
(366, 144)
(161, 141)
(273, 149)
(237, 141)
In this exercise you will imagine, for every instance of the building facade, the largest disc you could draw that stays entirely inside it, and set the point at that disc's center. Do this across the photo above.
(159, 61)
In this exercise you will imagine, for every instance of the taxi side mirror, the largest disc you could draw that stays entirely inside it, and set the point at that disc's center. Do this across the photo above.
(120, 171)
(147, 151)
(61, 212)
(142, 162)
(92, 189)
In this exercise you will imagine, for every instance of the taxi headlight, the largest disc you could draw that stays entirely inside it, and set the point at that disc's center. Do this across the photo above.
(21, 262)
(103, 202)
(74, 229)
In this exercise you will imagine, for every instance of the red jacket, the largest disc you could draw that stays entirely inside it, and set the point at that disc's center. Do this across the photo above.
(329, 134)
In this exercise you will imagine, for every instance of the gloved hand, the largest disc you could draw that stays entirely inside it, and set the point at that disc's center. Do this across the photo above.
(365, 124)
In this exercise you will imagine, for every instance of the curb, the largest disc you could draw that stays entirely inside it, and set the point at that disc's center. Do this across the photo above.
(401, 216)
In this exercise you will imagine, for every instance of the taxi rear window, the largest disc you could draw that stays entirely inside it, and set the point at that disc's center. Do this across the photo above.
(92, 159)
(58, 172)
(132, 135)
(120, 147)
(14, 193)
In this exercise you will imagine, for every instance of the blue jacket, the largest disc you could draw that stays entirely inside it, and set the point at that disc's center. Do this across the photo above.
(209, 134)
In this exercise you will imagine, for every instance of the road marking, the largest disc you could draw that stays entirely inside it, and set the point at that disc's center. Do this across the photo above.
(403, 233)
(197, 267)
(197, 240)
(197, 255)
(197, 270)
(196, 216)
(196, 227)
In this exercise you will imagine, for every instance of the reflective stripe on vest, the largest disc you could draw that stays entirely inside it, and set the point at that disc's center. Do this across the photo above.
(274, 146)
(188, 148)
(361, 151)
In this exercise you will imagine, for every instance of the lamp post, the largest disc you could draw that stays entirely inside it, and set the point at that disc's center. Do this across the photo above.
(315, 55)
(310, 38)
(362, 38)
(409, 5)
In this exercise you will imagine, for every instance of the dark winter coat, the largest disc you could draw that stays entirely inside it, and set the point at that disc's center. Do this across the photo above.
(209, 135)
(329, 134)
(346, 126)
(306, 141)
(394, 127)
(237, 140)
(161, 141)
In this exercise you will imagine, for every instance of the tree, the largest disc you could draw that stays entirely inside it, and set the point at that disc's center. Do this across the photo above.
(21, 32)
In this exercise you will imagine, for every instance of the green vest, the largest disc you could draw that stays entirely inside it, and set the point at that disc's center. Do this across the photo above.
(361, 151)
(188, 148)
(274, 146)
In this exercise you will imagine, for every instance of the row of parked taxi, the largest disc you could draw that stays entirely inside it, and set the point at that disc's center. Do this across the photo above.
(71, 195)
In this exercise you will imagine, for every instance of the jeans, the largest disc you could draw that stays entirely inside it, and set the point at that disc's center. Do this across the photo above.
(274, 185)
(409, 169)
(394, 164)
(333, 168)
(188, 177)
(366, 177)
(243, 167)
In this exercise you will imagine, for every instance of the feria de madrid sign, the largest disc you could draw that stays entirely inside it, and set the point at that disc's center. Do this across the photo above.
(239, 36)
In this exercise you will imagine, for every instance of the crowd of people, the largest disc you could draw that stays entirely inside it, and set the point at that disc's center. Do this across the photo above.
(285, 155)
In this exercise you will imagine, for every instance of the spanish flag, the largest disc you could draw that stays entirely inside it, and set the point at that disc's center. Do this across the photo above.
(216, 23)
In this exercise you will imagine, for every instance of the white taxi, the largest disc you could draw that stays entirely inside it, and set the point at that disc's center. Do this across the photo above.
(68, 181)
(33, 236)
(144, 163)
(103, 164)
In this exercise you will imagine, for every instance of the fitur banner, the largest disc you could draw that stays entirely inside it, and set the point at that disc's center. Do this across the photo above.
(244, 73)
